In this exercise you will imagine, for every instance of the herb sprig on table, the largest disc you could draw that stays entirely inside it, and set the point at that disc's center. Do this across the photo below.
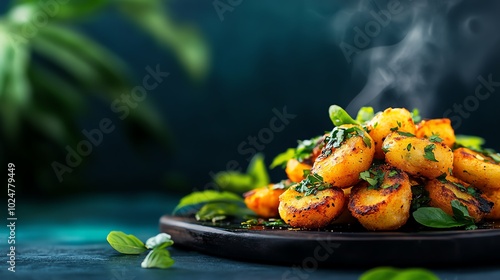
(158, 257)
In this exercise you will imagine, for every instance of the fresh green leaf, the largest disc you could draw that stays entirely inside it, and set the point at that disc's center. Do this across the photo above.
(125, 244)
(258, 171)
(415, 115)
(420, 197)
(161, 240)
(195, 200)
(158, 258)
(312, 184)
(408, 147)
(461, 214)
(391, 273)
(365, 114)
(283, 158)
(407, 134)
(234, 181)
(339, 116)
(473, 142)
(429, 152)
(217, 211)
(435, 218)
(435, 138)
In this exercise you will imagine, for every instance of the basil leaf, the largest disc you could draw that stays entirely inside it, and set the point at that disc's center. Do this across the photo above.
(125, 244)
(158, 258)
(234, 181)
(391, 273)
(161, 240)
(194, 201)
(258, 171)
(461, 214)
(473, 142)
(379, 273)
(415, 115)
(365, 114)
(435, 218)
(339, 116)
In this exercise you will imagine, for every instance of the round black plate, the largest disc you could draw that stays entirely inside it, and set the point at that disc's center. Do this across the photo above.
(337, 249)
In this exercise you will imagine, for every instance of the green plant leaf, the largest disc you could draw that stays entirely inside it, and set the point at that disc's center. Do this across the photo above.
(435, 218)
(158, 258)
(391, 273)
(469, 141)
(161, 240)
(70, 10)
(258, 171)
(339, 116)
(125, 244)
(217, 211)
(283, 158)
(365, 114)
(184, 40)
(194, 201)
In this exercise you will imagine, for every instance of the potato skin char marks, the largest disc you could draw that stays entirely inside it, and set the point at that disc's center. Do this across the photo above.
(342, 161)
(382, 208)
(311, 211)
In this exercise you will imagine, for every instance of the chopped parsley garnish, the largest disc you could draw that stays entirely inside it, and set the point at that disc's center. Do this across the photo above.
(415, 115)
(338, 135)
(429, 152)
(420, 197)
(407, 134)
(470, 189)
(408, 148)
(375, 177)
(392, 173)
(302, 152)
(435, 138)
(312, 184)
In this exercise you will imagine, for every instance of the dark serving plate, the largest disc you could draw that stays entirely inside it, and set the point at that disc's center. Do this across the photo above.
(337, 248)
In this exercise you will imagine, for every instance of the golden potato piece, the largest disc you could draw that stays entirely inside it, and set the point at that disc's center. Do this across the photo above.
(295, 170)
(476, 169)
(382, 124)
(439, 127)
(264, 201)
(442, 192)
(312, 211)
(418, 156)
(341, 166)
(386, 207)
(493, 195)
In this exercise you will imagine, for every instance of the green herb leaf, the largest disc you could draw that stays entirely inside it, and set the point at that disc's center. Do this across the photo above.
(429, 154)
(461, 214)
(415, 115)
(407, 134)
(339, 116)
(365, 114)
(473, 142)
(390, 273)
(258, 171)
(283, 158)
(191, 203)
(218, 211)
(125, 244)
(161, 240)
(435, 218)
(408, 148)
(312, 184)
(158, 258)
(435, 138)
(420, 197)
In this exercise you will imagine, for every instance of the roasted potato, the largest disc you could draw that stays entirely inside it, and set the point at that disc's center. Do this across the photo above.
(418, 156)
(341, 166)
(439, 127)
(442, 192)
(311, 211)
(383, 207)
(476, 168)
(386, 122)
(493, 195)
(264, 201)
(295, 170)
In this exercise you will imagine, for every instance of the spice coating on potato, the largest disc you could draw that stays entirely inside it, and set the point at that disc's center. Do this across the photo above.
(382, 208)
(418, 156)
(384, 123)
(295, 170)
(439, 127)
(442, 193)
(312, 211)
(264, 201)
(476, 168)
(341, 168)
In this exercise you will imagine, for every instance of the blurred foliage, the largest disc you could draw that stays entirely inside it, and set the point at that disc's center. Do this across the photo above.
(48, 71)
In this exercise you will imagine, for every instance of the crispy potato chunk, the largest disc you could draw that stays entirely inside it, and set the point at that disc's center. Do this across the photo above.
(264, 201)
(312, 211)
(442, 193)
(476, 168)
(386, 207)
(341, 168)
(295, 170)
(386, 122)
(414, 155)
(440, 127)
(493, 195)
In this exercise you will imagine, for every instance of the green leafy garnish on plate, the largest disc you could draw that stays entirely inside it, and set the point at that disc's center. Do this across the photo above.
(125, 243)
(391, 273)
(436, 218)
(192, 202)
